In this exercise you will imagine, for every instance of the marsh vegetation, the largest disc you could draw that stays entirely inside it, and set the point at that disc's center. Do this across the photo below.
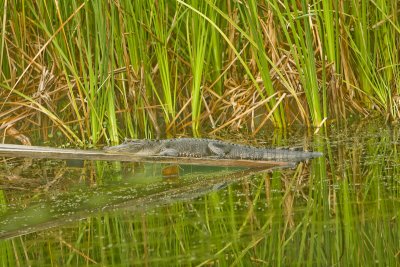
(291, 73)
(98, 71)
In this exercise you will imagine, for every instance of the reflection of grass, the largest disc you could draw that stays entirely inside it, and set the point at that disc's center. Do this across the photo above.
(339, 211)
(110, 194)
(203, 231)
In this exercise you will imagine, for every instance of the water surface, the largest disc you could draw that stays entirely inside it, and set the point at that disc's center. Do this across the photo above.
(341, 209)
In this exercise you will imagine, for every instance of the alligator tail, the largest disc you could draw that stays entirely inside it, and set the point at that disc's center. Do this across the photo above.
(290, 155)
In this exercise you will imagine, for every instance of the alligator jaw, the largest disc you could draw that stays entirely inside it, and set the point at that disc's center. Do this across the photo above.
(138, 147)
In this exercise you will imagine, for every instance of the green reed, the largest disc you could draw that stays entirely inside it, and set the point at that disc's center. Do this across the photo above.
(109, 70)
(163, 29)
(198, 38)
(252, 20)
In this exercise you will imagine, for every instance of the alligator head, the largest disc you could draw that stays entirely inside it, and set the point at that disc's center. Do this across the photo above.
(137, 146)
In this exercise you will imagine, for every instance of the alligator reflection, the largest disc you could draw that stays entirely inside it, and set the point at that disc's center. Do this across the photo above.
(59, 198)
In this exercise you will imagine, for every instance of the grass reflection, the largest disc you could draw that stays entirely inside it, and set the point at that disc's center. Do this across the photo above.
(338, 210)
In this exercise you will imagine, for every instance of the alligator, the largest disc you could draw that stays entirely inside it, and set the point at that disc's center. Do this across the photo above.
(199, 148)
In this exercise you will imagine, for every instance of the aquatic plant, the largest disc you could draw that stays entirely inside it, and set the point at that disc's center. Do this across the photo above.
(98, 71)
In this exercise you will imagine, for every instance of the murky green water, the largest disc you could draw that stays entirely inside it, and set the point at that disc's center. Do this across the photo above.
(341, 209)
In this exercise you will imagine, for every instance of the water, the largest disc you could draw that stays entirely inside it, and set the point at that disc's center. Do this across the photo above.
(341, 209)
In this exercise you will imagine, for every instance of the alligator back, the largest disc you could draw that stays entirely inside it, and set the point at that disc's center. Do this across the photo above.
(190, 147)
